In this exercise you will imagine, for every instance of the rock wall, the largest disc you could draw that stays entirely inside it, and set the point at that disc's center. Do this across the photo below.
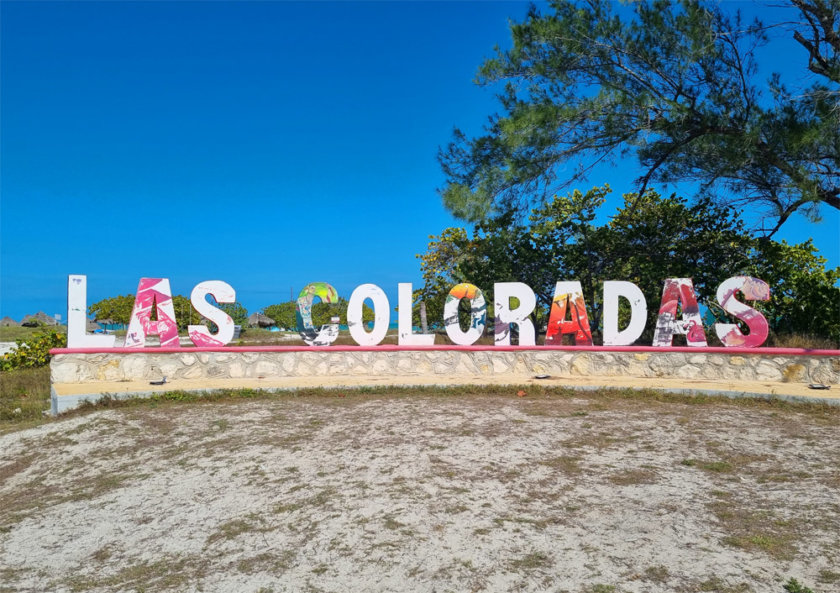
(76, 367)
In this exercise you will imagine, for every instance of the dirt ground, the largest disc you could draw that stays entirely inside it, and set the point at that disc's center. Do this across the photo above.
(578, 492)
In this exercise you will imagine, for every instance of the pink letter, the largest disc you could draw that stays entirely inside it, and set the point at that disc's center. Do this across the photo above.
(754, 290)
(152, 291)
(679, 291)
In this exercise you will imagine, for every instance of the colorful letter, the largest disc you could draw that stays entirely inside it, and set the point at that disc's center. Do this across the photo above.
(328, 332)
(478, 314)
(679, 291)
(568, 294)
(406, 337)
(223, 293)
(152, 292)
(613, 290)
(381, 314)
(77, 336)
(753, 289)
(503, 292)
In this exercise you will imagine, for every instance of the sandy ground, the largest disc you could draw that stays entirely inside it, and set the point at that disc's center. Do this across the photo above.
(581, 492)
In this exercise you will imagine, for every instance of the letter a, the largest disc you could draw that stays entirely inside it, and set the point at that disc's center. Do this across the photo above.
(568, 295)
(152, 292)
(679, 291)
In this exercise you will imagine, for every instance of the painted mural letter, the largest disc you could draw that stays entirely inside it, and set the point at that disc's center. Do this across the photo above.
(753, 289)
(223, 293)
(506, 316)
(327, 334)
(406, 335)
(478, 314)
(613, 291)
(381, 314)
(679, 291)
(77, 336)
(152, 292)
(568, 295)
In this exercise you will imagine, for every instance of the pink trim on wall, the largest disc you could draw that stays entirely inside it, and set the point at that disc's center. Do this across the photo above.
(395, 348)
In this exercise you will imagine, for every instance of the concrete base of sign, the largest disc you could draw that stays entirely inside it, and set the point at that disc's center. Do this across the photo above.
(86, 375)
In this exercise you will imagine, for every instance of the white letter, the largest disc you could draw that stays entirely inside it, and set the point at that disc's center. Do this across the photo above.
(613, 290)
(381, 313)
(505, 316)
(406, 337)
(478, 314)
(77, 336)
(223, 293)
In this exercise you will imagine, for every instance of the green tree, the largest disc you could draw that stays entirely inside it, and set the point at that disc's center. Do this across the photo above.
(676, 84)
(118, 309)
(185, 315)
(804, 296)
(648, 239)
(283, 314)
(237, 311)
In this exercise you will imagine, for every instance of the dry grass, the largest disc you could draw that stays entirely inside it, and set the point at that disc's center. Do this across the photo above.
(24, 396)
(424, 489)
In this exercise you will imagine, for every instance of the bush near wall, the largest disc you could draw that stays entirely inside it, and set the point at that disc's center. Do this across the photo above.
(33, 352)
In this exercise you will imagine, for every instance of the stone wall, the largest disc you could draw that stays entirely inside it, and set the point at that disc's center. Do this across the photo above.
(713, 363)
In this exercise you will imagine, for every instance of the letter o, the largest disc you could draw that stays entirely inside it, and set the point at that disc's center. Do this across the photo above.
(381, 312)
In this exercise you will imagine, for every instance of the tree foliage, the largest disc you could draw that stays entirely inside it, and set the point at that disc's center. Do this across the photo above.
(117, 309)
(283, 314)
(33, 352)
(675, 84)
(648, 239)
(236, 310)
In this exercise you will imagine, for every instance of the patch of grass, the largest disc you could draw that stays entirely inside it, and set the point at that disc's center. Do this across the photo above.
(716, 585)
(755, 530)
(221, 425)
(565, 464)
(318, 500)
(13, 333)
(656, 574)
(600, 588)
(15, 467)
(391, 523)
(275, 564)
(793, 586)
(716, 466)
(532, 561)
(827, 576)
(232, 529)
(171, 573)
(24, 395)
(633, 477)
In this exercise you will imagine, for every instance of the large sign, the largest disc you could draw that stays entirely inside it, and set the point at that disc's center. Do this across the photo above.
(679, 314)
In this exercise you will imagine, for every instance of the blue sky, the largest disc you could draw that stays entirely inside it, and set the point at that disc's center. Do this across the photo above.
(265, 144)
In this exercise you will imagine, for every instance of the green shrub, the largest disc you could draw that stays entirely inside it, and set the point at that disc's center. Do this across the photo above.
(793, 586)
(34, 352)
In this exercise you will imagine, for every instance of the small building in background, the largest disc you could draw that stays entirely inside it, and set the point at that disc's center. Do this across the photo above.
(260, 320)
(8, 322)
